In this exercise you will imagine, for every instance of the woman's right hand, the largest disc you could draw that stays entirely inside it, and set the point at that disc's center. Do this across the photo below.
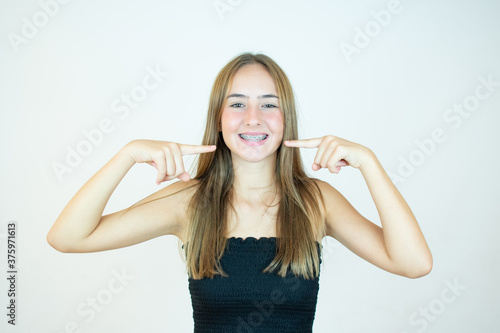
(165, 156)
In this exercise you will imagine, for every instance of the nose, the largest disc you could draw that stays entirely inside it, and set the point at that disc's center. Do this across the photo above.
(253, 116)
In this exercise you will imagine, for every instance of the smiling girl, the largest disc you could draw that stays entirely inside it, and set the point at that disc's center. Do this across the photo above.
(251, 221)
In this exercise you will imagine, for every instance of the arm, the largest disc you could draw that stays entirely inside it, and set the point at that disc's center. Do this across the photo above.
(399, 246)
(81, 227)
(83, 213)
(404, 242)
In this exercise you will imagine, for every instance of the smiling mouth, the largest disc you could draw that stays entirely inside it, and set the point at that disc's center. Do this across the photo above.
(253, 138)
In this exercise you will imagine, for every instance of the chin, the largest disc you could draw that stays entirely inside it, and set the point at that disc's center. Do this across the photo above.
(256, 157)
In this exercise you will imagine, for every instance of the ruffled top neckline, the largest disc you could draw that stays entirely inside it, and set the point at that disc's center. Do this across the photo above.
(251, 239)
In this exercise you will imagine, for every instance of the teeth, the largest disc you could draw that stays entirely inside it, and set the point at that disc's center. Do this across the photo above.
(253, 137)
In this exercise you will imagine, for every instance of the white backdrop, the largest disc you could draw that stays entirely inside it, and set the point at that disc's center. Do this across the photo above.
(418, 82)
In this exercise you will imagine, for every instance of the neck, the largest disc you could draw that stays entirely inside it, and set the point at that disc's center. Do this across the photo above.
(252, 180)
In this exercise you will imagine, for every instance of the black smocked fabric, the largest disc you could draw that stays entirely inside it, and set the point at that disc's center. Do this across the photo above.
(249, 300)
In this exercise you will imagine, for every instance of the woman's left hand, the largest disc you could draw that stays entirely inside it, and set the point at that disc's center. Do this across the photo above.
(334, 152)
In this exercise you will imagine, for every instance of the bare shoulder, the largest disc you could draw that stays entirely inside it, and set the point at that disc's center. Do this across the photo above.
(325, 189)
(322, 202)
(185, 192)
(323, 186)
(328, 192)
(336, 207)
(343, 221)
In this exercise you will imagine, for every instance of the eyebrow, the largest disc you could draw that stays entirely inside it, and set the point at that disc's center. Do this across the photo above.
(261, 96)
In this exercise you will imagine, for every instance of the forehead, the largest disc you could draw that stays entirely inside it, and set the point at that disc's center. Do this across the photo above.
(253, 78)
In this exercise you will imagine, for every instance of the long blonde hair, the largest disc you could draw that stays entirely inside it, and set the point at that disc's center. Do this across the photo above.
(298, 219)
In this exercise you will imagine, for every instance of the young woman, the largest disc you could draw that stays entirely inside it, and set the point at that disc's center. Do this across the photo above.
(251, 221)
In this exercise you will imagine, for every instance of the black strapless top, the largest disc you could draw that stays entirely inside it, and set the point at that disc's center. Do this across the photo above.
(250, 301)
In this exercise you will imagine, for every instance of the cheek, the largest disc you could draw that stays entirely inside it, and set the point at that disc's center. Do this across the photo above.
(275, 122)
(228, 120)
(230, 123)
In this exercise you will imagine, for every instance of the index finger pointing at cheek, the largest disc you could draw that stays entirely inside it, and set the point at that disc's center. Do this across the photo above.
(196, 149)
(307, 143)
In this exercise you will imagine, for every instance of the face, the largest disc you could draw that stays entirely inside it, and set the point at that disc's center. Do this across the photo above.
(251, 120)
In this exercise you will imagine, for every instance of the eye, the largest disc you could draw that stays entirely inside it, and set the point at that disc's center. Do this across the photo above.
(269, 105)
(237, 105)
